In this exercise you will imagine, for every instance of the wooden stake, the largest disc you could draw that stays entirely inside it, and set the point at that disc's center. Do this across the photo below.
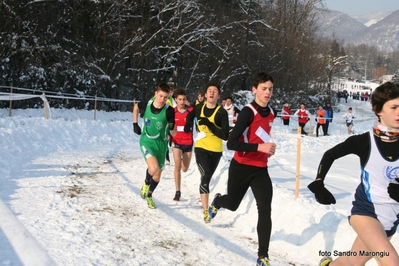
(95, 107)
(340, 126)
(298, 162)
(45, 107)
(10, 108)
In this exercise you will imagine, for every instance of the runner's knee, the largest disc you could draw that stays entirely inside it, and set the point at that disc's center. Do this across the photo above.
(204, 187)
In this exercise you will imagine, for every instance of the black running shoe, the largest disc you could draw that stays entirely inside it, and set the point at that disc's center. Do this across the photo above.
(177, 196)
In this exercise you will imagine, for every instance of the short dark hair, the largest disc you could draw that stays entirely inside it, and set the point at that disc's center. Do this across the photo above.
(171, 85)
(261, 78)
(383, 93)
(214, 84)
(163, 87)
(229, 98)
(179, 91)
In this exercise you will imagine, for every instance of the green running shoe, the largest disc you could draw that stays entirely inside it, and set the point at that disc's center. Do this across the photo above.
(150, 203)
(144, 190)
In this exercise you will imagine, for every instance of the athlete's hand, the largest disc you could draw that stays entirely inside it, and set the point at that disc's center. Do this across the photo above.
(136, 128)
(188, 127)
(393, 190)
(322, 195)
(204, 121)
(268, 147)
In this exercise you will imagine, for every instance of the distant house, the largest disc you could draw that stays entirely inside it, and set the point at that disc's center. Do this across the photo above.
(385, 78)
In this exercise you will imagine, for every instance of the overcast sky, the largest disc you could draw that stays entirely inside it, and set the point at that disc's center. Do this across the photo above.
(361, 7)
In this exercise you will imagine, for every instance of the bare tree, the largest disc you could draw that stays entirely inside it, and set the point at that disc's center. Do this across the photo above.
(122, 49)
(363, 59)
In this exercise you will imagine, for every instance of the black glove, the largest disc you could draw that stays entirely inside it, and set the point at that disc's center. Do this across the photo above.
(315, 119)
(393, 190)
(188, 127)
(136, 129)
(205, 121)
(322, 195)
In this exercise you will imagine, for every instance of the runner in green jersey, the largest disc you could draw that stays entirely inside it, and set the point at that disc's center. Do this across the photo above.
(158, 122)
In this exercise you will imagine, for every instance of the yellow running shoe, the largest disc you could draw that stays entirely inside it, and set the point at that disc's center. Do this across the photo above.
(151, 203)
(325, 261)
(207, 218)
(263, 261)
(144, 190)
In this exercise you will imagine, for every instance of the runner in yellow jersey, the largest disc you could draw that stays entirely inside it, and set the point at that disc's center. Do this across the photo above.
(213, 127)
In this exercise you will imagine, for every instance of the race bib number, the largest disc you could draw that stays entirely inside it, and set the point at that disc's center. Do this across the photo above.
(262, 134)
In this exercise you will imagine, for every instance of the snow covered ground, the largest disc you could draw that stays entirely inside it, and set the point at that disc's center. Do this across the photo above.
(73, 184)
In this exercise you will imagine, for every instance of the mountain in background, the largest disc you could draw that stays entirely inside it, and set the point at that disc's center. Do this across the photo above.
(379, 29)
(370, 19)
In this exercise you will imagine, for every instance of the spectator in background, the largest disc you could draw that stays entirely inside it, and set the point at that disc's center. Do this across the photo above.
(286, 114)
(303, 117)
(200, 98)
(232, 111)
(346, 95)
(171, 100)
(366, 96)
(349, 120)
(321, 120)
(329, 116)
(339, 96)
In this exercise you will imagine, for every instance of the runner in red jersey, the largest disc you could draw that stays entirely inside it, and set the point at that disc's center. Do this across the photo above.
(182, 142)
(251, 141)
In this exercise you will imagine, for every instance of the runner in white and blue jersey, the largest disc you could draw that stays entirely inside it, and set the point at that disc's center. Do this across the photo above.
(374, 210)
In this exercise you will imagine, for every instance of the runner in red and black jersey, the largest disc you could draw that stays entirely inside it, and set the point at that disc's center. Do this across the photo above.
(250, 138)
(182, 142)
